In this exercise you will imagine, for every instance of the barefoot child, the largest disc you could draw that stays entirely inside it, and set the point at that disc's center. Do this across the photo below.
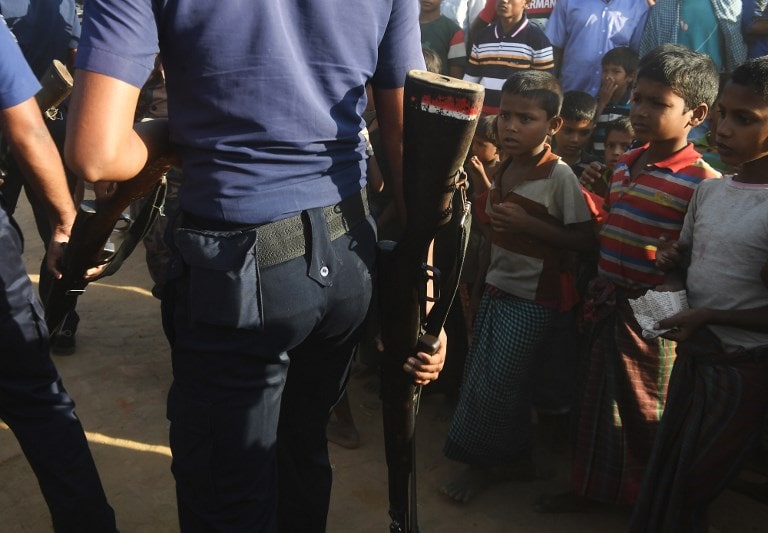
(536, 210)
(717, 397)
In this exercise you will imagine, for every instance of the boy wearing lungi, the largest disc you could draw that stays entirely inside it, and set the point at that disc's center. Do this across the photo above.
(717, 397)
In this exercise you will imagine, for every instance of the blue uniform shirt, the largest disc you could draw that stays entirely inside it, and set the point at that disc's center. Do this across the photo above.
(265, 99)
(45, 30)
(753, 10)
(17, 83)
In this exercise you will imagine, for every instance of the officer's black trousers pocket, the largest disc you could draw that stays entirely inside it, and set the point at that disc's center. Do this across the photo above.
(223, 277)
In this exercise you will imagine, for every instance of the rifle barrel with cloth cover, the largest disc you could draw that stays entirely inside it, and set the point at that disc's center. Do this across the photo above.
(440, 117)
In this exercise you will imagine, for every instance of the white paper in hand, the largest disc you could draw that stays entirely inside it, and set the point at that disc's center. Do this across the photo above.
(654, 306)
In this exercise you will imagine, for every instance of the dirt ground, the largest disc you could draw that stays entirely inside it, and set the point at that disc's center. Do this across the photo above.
(119, 377)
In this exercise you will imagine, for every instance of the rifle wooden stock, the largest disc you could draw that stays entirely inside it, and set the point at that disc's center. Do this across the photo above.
(90, 233)
(439, 122)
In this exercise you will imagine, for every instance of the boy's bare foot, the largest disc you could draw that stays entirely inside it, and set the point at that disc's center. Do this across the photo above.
(475, 479)
(468, 485)
(345, 435)
(566, 502)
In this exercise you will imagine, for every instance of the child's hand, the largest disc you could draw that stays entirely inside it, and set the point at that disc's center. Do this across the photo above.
(508, 216)
(669, 254)
(475, 163)
(480, 181)
(592, 173)
(607, 88)
(424, 367)
(684, 324)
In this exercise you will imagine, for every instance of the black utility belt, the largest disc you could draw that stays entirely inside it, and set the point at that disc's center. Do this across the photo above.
(286, 239)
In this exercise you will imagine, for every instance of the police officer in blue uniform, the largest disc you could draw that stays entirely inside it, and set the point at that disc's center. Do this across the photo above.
(45, 31)
(274, 247)
(33, 401)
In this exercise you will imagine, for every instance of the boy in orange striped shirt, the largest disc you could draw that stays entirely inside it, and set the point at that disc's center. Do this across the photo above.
(626, 381)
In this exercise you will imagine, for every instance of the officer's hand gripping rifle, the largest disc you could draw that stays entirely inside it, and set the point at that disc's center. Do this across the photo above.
(92, 228)
(439, 122)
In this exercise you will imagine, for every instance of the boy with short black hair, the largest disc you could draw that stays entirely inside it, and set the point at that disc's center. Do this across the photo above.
(571, 142)
(484, 155)
(509, 44)
(536, 211)
(626, 383)
(444, 37)
(717, 397)
(619, 69)
(619, 136)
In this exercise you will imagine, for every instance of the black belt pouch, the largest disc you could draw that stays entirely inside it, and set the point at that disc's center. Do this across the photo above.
(224, 285)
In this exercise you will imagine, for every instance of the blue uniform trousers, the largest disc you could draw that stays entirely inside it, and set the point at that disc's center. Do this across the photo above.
(260, 357)
(35, 405)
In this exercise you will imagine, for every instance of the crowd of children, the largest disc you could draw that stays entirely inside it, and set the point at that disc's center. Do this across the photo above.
(594, 194)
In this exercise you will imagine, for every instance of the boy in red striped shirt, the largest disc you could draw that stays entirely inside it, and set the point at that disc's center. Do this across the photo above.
(626, 381)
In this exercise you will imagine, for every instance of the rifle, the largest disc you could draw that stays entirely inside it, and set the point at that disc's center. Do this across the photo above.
(95, 221)
(93, 226)
(440, 116)
(56, 85)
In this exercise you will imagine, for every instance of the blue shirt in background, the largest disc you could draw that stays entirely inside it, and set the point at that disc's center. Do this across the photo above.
(45, 30)
(17, 83)
(586, 29)
(752, 10)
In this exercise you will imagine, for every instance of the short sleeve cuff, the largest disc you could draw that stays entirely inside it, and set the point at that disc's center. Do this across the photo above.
(115, 66)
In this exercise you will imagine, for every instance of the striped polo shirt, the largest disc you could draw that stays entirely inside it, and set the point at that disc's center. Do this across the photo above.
(524, 265)
(644, 209)
(496, 55)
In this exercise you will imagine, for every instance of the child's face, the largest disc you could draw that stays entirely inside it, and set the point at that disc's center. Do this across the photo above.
(616, 144)
(523, 125)
(483, 149)
(510, 8)
(742, 128)
(618, 75)
(657, 113)
(430, 6)
(573, 137)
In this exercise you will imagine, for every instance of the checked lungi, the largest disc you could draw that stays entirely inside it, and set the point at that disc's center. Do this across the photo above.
(492, 422)
(715, 410)
(623, 397)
